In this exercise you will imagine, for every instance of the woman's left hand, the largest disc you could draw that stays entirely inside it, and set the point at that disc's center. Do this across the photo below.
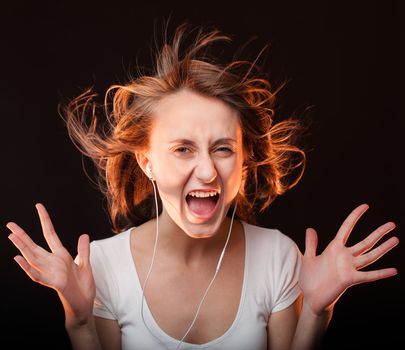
(325, 277)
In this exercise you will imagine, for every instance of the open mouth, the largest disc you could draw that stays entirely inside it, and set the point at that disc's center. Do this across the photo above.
(202, 206)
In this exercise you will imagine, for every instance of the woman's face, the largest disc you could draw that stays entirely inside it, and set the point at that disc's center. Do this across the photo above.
(196, 146)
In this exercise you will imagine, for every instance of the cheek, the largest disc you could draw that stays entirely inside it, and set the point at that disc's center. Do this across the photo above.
(231, 174)
(171, 176)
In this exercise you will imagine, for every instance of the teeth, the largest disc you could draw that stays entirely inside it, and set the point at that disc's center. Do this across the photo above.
(202, 194)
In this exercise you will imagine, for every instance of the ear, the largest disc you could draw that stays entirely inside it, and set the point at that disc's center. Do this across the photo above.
(143, 161)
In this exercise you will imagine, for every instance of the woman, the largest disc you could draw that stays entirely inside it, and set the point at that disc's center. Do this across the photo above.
(185, 146)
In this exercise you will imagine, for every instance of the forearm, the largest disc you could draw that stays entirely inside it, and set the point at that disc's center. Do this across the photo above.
(310, 328)
(83, 335)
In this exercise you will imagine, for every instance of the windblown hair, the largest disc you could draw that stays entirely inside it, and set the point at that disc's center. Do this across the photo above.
(270, 153)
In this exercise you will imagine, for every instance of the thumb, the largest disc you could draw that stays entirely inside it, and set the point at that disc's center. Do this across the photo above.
(83, 250)
(311, 242)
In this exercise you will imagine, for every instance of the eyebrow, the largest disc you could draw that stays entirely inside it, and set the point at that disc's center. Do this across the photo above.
(190, 142)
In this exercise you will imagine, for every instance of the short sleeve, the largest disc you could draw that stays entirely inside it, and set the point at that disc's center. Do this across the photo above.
(105, 291)
(289, 265)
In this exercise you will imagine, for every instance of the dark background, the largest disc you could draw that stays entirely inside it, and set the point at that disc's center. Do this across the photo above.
(342, 61)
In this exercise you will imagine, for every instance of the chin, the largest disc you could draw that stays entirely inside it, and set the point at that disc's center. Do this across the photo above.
(203, 229)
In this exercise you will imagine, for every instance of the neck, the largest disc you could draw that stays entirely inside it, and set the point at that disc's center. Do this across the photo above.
(175, 243)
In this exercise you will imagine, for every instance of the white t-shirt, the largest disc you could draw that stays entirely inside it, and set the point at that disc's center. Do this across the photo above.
(270, 284)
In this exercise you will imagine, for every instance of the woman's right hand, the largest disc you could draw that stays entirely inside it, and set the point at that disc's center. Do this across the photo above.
(72, 280)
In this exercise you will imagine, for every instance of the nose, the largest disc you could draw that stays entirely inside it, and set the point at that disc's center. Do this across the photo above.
(205, 170)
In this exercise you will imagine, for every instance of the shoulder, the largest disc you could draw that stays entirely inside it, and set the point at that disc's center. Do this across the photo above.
(268, 237)
(111, 247)
(109, 259)
(271, 248)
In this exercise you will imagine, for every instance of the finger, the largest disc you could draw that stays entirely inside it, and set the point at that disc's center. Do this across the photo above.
(367, 259)
(28, 269)
(311, 242)
(83, 250)
(26, 241)
(33, 257)
(370, 276)
(47, 228)
(369, 242)
(348, 224)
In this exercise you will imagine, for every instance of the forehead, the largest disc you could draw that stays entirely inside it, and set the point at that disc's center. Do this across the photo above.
(188, 114)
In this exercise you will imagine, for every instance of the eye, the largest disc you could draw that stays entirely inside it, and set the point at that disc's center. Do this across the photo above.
(225, 149)
(182, 150)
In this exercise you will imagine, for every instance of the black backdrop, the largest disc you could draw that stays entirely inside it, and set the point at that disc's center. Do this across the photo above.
(342, 59)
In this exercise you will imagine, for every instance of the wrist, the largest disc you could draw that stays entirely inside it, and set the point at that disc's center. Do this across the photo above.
(75, 322)
(310, 311)
(82, 333)
(78, 315)
(311, 327)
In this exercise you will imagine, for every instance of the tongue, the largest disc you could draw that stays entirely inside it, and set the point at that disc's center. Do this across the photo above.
(201, 205)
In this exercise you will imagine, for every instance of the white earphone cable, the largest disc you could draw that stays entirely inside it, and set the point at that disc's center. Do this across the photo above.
(152, 261)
